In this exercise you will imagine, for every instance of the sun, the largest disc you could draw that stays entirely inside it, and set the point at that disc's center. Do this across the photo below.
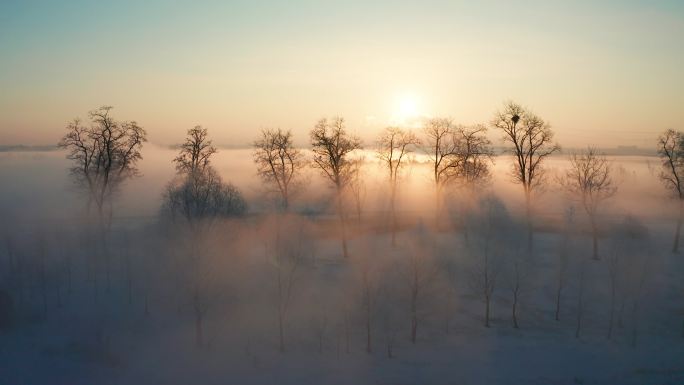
(406, 109)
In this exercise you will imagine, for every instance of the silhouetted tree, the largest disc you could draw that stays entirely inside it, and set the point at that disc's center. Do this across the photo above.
(288, 257)
(278, 162)
(518, 279)
(441, 147)
(530, 138)
(474, 155)
(195, 153)
(629, 266)
(331, 147)
(200, 197)
(105, 154)
(564, 250)
(196, 198)
(357, 187)
(369, 292)
(589, 180)
(419, 271)
(394, 146)
(671, 151)
(581, 287)
(484, 275)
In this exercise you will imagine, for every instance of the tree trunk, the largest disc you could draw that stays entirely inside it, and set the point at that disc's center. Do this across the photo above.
(414, 327)
(108, 271)
(635, 322)
(394, 212)
(515, 307)
(340, 211)
(129, 278)
(487, 311)
(675, 246)
(594, 235)
(198, 328)
(438, 198)
(69, 275)
(199, 317)
(530, 229)
(580, 303)
(414, 310)
(346, 333)
(369, 345)
(558, 301)
(281, 334)
(43, 284)
(612, 311)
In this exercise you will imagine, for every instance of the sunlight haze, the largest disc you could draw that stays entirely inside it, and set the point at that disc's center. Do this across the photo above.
(605, 73)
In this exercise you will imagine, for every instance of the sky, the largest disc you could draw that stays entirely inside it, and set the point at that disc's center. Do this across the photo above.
(602, 73)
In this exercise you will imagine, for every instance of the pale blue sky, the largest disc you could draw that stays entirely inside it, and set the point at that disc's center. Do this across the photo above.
(593, 70)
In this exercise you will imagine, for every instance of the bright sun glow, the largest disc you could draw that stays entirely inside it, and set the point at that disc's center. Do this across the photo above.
(406, 109)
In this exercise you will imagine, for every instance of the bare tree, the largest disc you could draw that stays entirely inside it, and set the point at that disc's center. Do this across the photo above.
(589, 179)
(629, 266)
(195, 153)
(332, 146)
(319, 324)
(388, 314)
(518, 279)
(394, 146)
(581, 287)
(198, 194)
(278, 162)
(16, 268)
(531, 139)
(485, 270)
(474, 155)
(442, 150)
(563, 256)
(671, 151)
(449, 267)
(369, 291)
(357, 187)
(41, 269)
(200, 197)
(614, 274)
(287, 262)
(473, 158)
(420, 274)
(196, 198)
(105, 154)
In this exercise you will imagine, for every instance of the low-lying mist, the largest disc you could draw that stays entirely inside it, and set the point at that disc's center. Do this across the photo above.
(268, 297)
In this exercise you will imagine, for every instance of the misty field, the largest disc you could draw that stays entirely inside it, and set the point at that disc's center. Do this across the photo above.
(312, 192)
(268, 297)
